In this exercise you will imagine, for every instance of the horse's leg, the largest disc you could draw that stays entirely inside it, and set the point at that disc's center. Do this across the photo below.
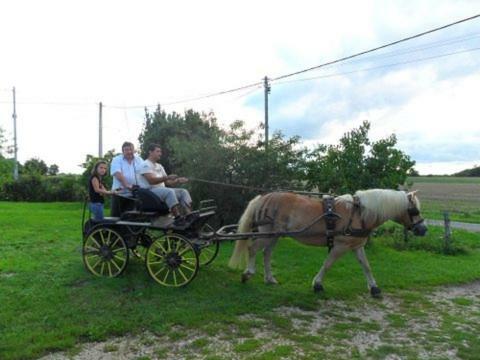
(267, 255)
(337, 251)
(252, 255)
(362, 259)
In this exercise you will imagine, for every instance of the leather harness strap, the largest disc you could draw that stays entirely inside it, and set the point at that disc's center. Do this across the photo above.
(330, 217)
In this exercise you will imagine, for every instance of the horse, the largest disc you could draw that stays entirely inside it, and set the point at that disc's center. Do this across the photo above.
(344, 225)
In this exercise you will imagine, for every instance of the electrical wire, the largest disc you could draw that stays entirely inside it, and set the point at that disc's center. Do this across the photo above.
(376, 48)
(378, 67)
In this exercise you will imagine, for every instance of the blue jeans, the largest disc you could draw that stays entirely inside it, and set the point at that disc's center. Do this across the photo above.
(97, 210)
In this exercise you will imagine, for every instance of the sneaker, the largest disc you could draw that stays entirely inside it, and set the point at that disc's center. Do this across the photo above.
(136, 253)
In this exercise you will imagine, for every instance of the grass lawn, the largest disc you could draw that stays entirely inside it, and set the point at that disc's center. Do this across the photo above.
(49, 302)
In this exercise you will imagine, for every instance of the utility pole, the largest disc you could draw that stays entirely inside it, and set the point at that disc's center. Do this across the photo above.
(266, 86)
(100, 126)
(15, 166)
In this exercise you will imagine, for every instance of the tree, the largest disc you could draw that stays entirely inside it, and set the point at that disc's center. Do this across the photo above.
(357, 163)
(35, 166)
(52, 170)
(90, 162)
(165, 129)
(2, 140)
(194, 146)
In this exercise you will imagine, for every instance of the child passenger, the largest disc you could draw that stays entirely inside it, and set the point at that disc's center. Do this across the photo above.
(96, 189)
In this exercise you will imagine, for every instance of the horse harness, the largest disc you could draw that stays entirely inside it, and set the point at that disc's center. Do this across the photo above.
(331, 218)
(263, 218)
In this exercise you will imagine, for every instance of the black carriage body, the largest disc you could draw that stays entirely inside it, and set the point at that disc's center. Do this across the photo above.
(145, 229)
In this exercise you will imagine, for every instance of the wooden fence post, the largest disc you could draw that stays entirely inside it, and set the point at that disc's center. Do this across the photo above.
(448, 231)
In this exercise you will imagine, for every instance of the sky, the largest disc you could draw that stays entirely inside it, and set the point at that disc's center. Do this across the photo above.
(64, 57)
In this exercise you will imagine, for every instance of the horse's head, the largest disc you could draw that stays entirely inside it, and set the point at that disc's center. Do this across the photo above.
(412, 219)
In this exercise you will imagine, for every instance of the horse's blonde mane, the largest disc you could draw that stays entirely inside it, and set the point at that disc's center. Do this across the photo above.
(379, 205)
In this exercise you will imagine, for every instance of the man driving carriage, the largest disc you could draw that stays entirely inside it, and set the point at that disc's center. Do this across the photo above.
(151, 175)
(123, 169)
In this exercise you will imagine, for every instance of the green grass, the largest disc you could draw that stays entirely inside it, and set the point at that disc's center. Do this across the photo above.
(49, 302)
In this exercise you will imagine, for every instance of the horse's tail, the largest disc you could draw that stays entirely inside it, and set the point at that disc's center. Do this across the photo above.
(239, 258)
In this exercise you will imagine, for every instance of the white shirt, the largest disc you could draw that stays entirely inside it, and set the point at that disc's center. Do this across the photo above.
(126, 168)
(148, 167)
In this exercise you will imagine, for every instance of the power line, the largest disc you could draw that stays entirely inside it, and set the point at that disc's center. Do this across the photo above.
(376, 48)
(201, 97)
(418, 48)
(379, 67)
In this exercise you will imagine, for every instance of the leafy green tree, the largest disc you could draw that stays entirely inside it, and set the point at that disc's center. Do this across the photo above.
(35, 166)
(90, 162)
(52, 170)
(357, 163)
(6, 170)
(194, 146)
(164, 129)
(2, 140)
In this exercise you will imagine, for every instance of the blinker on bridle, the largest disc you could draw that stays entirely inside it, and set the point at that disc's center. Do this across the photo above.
(413, 211)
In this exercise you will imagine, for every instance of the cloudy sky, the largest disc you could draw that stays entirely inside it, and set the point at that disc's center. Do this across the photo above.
(64, 57)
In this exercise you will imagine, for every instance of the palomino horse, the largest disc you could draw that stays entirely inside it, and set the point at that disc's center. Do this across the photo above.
(303, 218)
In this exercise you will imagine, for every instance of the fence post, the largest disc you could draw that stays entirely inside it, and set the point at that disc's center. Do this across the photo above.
(405, 235)
(448, 231)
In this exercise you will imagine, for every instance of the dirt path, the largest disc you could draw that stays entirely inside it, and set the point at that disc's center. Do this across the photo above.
(455, 225)
(440, 324)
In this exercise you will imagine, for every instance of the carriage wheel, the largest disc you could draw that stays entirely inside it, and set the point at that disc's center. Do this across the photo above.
(105, 253)
(172, 261)
(207, 250)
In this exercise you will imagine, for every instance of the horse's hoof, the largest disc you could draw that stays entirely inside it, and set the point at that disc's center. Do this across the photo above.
(245, 278)
(271, 281)
(375, 292)
(318, 288)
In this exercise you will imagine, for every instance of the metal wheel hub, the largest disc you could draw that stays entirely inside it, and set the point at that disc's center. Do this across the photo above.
(106, 252)
(173, 260)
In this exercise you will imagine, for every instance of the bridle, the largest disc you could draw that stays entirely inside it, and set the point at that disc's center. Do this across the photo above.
(412, 212)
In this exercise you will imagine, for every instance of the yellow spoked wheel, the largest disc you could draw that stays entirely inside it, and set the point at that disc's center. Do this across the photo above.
(207, 249)
(172, 261)
(105, 253)
(208, 252)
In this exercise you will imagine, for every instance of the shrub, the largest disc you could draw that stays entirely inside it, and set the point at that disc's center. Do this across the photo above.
(44, 188)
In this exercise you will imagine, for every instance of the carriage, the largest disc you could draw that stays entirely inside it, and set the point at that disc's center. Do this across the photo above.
(173, 254)
(145, 230)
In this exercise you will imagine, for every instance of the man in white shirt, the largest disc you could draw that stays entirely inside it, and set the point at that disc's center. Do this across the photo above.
(152, 175)
(123, 170)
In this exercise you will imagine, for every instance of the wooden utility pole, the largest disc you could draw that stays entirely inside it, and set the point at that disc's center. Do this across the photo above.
(266, 85)
(100, 134)
(15, 166)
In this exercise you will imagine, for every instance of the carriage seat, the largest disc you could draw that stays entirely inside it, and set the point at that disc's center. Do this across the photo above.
(147, 201)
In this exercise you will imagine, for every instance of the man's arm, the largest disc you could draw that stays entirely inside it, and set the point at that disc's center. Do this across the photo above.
(122, 180)
(175, 180)
(153, 180)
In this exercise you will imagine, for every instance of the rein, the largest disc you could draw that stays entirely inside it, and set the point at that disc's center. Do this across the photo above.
(257, 189)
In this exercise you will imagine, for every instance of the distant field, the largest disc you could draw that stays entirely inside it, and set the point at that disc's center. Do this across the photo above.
(460, 196)
(444, 179)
